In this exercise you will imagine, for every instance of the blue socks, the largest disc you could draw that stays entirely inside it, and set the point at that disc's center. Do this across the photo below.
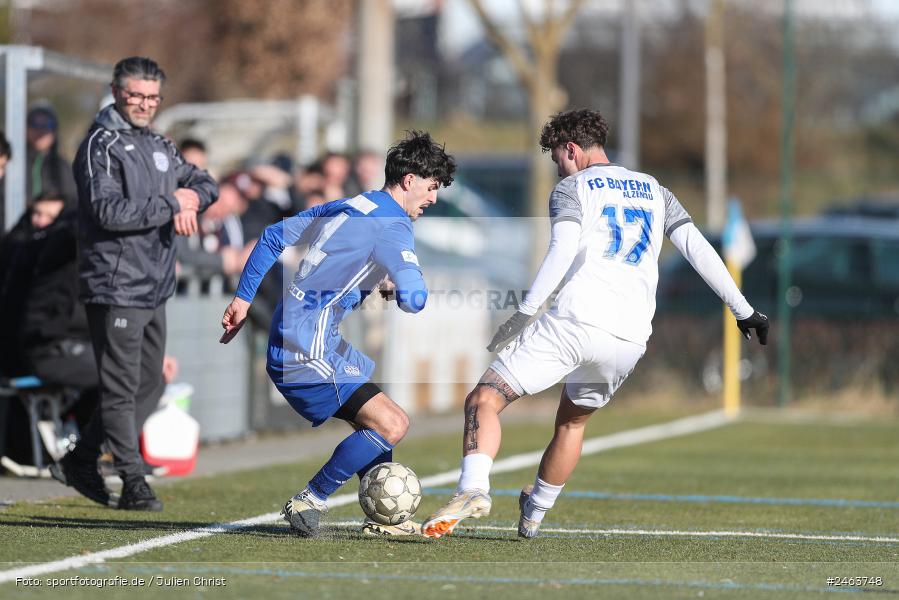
(360, 451)
(381, 458)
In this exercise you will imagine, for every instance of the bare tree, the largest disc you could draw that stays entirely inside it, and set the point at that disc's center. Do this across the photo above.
(212, 49)
(280, 48)
(535, 63)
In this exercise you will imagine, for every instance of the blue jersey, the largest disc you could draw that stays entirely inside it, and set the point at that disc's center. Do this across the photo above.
(352, 244)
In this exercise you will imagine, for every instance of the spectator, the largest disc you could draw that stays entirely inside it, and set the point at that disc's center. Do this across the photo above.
(43, 326)
(276, 184)
(336, 171)
(310, 178)
(219, 250)
(194, 152)
(220, 226)
(368, 173)
(56, 339)
(136, 192)
(305, 181)
(283, 161)
(260, 213)
(45, 167)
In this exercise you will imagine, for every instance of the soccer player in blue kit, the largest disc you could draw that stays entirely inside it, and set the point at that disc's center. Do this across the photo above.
(354, 243)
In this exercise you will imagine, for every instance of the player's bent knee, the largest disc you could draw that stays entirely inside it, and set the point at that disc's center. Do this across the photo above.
(395, 426)
(486, 397)
(402, 426)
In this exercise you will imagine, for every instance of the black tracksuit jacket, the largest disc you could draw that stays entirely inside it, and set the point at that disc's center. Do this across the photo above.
(126, 178)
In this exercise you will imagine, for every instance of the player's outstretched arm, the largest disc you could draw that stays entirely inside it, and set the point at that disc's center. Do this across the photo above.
(703, 258)
(265, 253)
(234, 318)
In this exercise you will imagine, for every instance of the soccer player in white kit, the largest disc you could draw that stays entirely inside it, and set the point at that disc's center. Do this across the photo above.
(607, 228)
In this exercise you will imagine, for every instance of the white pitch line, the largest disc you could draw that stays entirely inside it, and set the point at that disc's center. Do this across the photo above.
(474, 527)
(621, 439)
(733, 534)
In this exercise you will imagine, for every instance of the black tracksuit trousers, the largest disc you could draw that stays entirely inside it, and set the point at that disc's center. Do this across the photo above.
(129, 345)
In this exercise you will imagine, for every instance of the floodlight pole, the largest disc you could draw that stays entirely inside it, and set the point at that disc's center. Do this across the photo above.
(629, 97)
(374, 74)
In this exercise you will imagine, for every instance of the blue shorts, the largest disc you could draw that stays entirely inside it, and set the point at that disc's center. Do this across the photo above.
(317, 402)
(311, 394)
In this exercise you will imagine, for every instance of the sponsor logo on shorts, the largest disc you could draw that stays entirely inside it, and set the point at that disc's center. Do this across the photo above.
(352, 370)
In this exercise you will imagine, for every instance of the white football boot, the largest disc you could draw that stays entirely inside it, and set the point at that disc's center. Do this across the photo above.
(409, 527)
(304, 512)
(526, 527)
(466, 504)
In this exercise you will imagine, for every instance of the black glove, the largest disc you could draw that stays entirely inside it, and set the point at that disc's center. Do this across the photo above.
(756, 321)
(508, 330)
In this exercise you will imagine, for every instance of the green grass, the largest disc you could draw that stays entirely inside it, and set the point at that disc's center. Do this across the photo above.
(725, 466)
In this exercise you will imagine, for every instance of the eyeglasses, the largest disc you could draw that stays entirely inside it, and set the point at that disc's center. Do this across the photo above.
(135, 98)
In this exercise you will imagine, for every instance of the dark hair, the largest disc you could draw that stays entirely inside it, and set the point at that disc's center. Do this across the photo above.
(5, 148)
(137, 67)
(584, 127)
(192, 144)
(315, 168)
(420, 155)
(50, 194)
(330, 154)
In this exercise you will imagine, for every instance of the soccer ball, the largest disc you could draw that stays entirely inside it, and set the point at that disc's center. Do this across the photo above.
(389, 493)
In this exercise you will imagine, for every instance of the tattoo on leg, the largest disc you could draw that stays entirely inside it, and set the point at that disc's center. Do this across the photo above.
(494, 381)
(471, 428)
(505, 391)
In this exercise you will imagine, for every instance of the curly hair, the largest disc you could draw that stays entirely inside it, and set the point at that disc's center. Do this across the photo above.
(584, 127)
(420, 155)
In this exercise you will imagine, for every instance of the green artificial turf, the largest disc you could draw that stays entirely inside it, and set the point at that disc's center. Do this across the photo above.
(811, 479)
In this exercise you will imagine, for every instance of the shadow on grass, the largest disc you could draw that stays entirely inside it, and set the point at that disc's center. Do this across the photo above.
(89, 523)
(330, 533)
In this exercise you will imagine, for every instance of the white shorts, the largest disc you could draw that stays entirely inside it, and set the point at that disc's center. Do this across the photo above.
(593, 362)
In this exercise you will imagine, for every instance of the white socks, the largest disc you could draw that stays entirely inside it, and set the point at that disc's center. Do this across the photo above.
(475, 472)
(476, 475)
(542, 499)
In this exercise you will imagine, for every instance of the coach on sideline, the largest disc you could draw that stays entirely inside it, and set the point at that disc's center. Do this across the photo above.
(135, 193)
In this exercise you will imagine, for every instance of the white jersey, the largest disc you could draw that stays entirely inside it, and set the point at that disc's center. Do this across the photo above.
(624, 214)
